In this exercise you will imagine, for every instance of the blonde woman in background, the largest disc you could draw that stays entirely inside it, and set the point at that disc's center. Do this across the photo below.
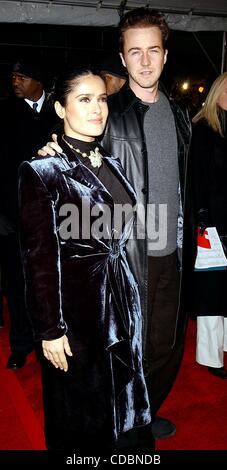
(209, 178)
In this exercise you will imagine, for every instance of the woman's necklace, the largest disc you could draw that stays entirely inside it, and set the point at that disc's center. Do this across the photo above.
(94, 156)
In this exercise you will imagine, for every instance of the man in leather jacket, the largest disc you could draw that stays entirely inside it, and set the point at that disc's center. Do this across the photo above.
(151, 136)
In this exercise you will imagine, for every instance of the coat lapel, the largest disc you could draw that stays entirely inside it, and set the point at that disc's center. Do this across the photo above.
(74, 168)
(117, 169)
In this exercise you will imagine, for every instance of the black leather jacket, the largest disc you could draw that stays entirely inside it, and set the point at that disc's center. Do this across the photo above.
(124, 139)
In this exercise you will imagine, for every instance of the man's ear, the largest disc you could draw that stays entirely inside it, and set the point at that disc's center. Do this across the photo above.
(122, 59)
(59, 109)
(165, 55)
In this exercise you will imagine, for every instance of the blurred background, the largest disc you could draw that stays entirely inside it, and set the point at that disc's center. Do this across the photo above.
(195, 58)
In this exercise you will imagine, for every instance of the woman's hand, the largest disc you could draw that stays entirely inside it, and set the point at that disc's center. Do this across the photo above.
(55, 350)
(50, 148)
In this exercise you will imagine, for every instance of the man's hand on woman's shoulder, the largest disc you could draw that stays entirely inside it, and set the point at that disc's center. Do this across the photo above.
(50, 148)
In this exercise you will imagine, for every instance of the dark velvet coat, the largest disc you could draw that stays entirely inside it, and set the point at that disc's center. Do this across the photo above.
(84, 289)
(208, 170)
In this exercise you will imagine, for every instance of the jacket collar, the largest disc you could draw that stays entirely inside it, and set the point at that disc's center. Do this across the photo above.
(128, 99)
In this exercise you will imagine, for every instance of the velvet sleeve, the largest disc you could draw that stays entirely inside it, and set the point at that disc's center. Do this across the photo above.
(40, 255)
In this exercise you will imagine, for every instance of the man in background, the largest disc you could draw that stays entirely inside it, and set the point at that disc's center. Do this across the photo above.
(113, 73)
(26, 120)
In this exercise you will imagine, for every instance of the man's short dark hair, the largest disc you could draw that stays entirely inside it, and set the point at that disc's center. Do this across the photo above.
(141, 18)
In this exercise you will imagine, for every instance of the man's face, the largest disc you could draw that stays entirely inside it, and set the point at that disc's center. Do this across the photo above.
(26, 87)
(113, 83)
(143, 56)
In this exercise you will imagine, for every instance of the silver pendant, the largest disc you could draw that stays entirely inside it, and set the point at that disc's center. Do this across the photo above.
(95, 158)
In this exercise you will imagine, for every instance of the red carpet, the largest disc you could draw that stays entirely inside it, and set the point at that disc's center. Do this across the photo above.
(197, 405)
(21, 417)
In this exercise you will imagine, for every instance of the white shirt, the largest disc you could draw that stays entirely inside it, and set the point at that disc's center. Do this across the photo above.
(39, 102)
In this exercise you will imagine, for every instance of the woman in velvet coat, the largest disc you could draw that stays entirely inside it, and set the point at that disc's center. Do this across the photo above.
(81, 295)
(209, 172)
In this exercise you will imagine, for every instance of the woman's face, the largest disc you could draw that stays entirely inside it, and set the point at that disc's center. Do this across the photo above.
(222, 100)
(86, 110)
